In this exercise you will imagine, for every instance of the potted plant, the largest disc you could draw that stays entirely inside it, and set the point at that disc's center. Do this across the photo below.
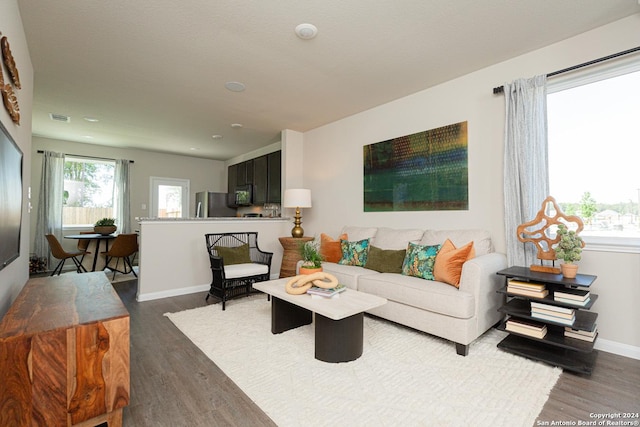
(311, 257)
(105, 226)
(568, 249)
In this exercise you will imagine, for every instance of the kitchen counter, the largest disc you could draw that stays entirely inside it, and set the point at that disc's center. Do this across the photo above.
(173, 258)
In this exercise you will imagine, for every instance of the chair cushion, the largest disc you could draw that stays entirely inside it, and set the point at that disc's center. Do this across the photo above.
(237, 255)
(236, 271)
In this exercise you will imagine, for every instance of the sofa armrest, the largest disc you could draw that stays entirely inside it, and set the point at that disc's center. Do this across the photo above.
(480, 279)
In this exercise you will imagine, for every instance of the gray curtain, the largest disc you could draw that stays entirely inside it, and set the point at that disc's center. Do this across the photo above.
(49, 220)
(121, 196)
(526, 175)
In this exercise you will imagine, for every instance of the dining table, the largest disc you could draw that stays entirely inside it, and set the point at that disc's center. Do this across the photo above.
(95, 239)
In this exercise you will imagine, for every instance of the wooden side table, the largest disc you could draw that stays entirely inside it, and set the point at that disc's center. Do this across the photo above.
(291, 254)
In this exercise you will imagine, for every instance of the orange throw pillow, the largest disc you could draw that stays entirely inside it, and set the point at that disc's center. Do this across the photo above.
(448, 265)
(330, 249)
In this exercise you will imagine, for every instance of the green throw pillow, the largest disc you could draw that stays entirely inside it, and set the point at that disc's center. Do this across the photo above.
(385, 260)
(354, 253)
(420, 260)
(237, 255)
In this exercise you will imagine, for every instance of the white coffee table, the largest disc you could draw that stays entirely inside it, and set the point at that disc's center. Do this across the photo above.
(338, 323)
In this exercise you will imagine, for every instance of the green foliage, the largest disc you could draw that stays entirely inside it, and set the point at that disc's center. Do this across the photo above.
(310, 253)
(105, 221)
(93, 176)
(588, 207)
(569, 248)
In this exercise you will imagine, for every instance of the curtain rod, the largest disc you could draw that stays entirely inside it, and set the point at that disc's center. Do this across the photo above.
(86, 157)
(500, 89)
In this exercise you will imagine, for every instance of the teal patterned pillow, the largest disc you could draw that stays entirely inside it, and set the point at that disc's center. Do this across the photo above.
(354, 253)
(419, 261)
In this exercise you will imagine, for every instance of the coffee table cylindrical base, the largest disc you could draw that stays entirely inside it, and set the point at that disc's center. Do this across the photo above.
(338, 340)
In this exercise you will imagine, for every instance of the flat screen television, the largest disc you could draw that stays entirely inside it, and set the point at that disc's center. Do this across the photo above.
(10, 198)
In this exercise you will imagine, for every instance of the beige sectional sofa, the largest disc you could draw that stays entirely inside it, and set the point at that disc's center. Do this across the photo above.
(457, 314)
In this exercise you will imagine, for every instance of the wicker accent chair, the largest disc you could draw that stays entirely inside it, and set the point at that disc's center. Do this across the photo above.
(236, 275)
(125, 246)
(58, 252)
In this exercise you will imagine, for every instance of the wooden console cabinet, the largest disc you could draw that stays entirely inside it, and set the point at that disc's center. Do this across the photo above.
(64, 354)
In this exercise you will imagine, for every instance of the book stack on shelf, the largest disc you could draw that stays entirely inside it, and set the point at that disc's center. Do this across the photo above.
(565, 316)
(572, 296)
(317, 292)
(589, 336)
(523, 327)
(519, 287)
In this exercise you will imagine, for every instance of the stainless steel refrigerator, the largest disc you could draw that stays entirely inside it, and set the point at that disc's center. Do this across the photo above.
(210, 204)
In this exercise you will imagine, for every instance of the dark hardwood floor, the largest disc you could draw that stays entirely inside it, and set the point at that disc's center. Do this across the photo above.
(174, 384)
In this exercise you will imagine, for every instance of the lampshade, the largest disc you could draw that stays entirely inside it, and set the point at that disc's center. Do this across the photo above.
(297, 198)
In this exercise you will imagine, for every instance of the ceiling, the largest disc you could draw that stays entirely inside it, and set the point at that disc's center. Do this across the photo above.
(153, 72)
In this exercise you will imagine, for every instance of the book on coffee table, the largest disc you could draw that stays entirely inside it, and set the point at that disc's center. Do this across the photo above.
(326, 292)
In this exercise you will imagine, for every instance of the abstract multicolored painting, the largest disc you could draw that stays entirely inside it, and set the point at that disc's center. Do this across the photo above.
(426, 171)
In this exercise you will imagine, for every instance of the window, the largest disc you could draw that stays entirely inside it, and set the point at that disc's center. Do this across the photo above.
(594, 147)
(88, 191)
(169, 198)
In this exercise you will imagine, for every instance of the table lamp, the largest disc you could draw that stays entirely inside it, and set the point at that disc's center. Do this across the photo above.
(297, 198)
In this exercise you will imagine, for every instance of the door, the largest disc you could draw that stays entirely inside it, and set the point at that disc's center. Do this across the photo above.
(169, 198)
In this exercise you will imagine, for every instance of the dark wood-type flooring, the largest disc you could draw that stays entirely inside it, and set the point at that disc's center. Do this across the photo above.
(174, 384)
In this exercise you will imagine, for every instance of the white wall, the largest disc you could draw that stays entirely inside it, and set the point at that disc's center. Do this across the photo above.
(333, 167)
(15, 275)
(204, 174)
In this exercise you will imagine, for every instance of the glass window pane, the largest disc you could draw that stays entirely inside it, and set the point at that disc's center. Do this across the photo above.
(594, 152)
(169, 201)
(88, 191)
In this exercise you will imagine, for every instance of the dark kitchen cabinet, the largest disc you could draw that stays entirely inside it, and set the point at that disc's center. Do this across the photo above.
(260, 180)
(232, 182)
(263, 173)
(274, 177)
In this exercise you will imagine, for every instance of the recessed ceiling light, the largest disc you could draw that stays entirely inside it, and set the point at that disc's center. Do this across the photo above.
(91, 119)
(235, 86)
(194, 149)
(216, 136)
(236, 125)
(306, 31)
(88, 136)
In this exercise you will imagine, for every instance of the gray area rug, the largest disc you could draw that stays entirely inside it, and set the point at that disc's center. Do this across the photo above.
(403, 378)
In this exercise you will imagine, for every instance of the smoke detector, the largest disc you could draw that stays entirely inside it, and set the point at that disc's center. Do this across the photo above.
(306, 31)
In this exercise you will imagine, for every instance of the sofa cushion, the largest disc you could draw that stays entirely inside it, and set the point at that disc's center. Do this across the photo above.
(428, 295)
(385, 260)
(391, 238)
(347, 275)
(237, 255)
(481, 239)
(354, 253)
(329, 248)
(359, 233)
(419, 260)
(448, 266)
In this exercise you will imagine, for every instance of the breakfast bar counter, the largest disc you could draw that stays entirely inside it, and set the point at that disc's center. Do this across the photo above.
(173, 257)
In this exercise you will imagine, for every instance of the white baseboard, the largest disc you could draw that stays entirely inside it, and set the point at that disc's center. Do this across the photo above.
(620, 349)
(181, 291)
(173, 292)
